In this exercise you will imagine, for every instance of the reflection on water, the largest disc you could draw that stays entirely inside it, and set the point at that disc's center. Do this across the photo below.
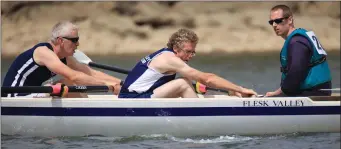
(257, 71)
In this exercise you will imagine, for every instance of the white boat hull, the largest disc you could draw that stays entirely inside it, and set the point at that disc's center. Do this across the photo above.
(177, 117)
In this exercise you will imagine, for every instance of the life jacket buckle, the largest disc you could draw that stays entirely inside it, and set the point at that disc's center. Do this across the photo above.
(319, 61)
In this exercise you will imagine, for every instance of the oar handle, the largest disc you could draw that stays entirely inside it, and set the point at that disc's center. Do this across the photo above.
(27, 89)
(106, 67)
(52, 89)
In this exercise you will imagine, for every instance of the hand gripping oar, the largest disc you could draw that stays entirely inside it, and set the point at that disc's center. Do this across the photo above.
(55, 90)
(81, 57)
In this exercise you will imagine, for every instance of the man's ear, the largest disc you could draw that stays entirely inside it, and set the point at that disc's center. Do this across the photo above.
(176, 50)
(291, 19)
(59, 40)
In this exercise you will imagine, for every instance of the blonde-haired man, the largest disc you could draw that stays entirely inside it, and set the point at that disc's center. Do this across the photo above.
(154, 75)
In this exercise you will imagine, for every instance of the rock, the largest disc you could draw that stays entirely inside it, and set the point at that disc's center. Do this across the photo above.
(142, 27)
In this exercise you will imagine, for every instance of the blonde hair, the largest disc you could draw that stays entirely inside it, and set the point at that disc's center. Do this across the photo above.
(182, 35)
(62, 29)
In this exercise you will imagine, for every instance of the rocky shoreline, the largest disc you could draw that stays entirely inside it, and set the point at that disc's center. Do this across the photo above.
(114, 28)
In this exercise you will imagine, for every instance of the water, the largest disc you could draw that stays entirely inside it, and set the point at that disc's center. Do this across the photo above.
(257, 71)
(285, 141)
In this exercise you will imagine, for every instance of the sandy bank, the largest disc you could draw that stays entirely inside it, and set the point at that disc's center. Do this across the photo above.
(139, 27)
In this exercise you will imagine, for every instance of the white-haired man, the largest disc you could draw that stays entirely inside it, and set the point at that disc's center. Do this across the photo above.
(45, 60)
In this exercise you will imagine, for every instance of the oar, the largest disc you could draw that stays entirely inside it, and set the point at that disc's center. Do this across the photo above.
(81, 57)
(333, 89)
(52, 89)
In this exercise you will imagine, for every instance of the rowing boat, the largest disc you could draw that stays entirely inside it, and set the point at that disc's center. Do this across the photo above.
(211, 115)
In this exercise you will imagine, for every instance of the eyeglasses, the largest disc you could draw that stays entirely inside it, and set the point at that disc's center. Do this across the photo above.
(277, 21)
(189, 52)
(74, 39)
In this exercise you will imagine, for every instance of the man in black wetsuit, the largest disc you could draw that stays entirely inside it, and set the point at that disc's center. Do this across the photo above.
(304, 67)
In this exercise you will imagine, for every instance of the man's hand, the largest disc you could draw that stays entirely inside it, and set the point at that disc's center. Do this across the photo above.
(114, 87)
(274, 93)
(244, 93)
(117, 89)
(248, 93)
(269, 94)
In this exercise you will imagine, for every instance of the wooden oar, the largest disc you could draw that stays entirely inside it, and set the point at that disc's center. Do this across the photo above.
(81, 57)
(53, 89)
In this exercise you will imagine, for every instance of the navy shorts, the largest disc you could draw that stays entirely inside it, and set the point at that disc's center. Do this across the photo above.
(135, 95)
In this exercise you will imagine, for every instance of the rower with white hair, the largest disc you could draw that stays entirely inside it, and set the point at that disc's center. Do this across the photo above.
(45, 60)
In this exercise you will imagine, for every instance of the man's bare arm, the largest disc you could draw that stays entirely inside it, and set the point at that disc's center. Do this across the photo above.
(175, 64)
(74, 64)
(46, 57)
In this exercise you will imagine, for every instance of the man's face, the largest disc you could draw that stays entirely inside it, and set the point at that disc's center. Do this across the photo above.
(70, 43)
(280, 24)
(186, 52)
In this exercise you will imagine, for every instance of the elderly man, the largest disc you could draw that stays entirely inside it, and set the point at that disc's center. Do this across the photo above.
(154, 75)
(45, 60)
(304, 67)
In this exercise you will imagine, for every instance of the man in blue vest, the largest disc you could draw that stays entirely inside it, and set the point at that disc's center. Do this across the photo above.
(305, 70)
(154, 75)
(45, 60)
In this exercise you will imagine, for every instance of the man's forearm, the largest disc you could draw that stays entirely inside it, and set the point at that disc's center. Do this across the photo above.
(84, 79)
(105, 77)
(218, 82)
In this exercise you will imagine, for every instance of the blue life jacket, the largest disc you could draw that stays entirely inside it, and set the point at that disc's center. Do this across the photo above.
(319, 70)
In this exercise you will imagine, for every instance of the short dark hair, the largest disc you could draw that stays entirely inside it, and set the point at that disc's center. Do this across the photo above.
(286, 10)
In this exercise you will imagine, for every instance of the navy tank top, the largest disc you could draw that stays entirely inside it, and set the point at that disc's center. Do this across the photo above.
(24, 71)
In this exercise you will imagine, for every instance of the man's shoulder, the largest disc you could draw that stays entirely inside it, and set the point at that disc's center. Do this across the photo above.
(167, 58)
(300, 39)
(164, 57)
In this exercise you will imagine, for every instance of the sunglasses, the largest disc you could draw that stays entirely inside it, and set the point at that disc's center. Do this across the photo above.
(277, 21)
(74, 40)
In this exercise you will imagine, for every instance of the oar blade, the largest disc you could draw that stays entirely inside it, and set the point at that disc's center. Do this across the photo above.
(81, 57)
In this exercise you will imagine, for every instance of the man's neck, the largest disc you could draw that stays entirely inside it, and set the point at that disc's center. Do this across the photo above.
(289, 32)
(56, 50)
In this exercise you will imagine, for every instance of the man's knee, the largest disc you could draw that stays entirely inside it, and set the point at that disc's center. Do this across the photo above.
(184, 83)
(66, 82)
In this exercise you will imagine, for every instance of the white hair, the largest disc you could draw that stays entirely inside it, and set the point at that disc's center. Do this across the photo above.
(62, 29)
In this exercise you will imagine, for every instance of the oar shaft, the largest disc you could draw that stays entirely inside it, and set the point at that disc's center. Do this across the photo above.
(88, 88)
(27, 89)
(106, 67)
(49, 89)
